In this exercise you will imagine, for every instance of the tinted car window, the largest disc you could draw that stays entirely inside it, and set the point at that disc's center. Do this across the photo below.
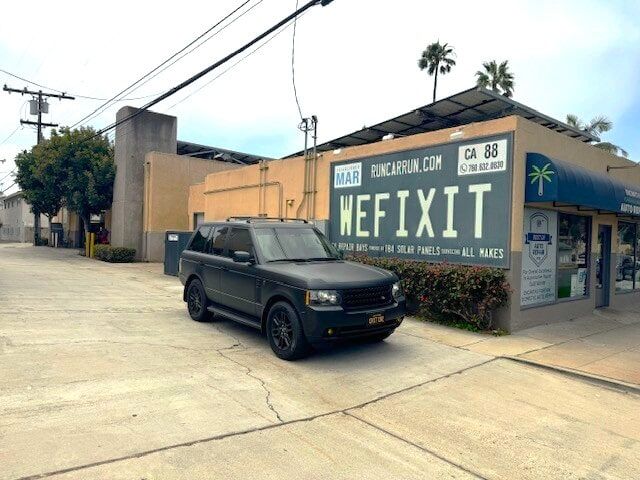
(305, 243)
(240, 240)
(269, 245)
(219, 237)
(199, 242)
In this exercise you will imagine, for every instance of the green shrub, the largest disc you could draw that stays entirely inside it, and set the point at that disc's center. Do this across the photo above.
(469, 293)
(107, 253)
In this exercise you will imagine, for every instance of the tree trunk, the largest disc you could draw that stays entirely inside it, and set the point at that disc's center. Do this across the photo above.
(435, 85)
(86, 225)
(36, 228)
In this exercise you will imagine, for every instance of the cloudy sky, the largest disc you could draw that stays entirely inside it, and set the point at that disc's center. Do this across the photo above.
(356, 64)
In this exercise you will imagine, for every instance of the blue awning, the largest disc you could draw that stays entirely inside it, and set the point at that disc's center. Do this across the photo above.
(550, 180)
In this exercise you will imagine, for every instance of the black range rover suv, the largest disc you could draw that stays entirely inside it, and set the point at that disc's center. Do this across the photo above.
(286, 279)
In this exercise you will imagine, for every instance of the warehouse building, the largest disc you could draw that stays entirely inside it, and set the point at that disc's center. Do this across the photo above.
(475, 178)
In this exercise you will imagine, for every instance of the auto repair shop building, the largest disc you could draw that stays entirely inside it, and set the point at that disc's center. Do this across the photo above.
(476, 179)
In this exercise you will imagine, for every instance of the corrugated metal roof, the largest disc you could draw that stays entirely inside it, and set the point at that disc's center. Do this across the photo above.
(222, 154)
(477, 104)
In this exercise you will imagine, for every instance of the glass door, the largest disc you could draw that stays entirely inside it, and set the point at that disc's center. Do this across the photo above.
(603, 269)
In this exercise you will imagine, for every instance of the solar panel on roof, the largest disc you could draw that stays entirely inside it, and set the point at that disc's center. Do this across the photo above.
(474, 105)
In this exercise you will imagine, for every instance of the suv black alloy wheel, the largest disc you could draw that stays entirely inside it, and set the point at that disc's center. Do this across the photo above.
(197, 302)
(285, 333)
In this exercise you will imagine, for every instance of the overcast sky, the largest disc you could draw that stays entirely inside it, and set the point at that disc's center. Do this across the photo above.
(356, 63)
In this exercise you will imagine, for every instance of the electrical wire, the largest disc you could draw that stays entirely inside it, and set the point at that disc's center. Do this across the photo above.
(232, 66)
(202, 43)
(87, 97)
(210, 68)
(8, 187)
(127, 89)
(14, 169)
(10, 135)
(293, 64)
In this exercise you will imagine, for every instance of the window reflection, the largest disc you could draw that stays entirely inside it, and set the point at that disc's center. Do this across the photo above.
(573, 258)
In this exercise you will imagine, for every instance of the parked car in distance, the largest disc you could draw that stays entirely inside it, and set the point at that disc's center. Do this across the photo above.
(284, 278)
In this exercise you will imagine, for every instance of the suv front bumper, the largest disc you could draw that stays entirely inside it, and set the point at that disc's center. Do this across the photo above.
(329, 323)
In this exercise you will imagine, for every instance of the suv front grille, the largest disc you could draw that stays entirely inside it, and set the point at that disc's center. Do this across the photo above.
(362, 298)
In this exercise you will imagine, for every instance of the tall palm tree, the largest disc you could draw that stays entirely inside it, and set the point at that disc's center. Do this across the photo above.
(497, 77)
(597, 126)
(437, 58)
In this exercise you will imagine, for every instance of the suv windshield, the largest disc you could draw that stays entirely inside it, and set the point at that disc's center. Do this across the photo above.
(294, 244)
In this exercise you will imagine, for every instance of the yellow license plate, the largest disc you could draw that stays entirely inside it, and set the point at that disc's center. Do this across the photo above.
(376, 319)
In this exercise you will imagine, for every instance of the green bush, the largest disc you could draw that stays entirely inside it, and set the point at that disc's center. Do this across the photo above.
(107, 253)
(469, 293)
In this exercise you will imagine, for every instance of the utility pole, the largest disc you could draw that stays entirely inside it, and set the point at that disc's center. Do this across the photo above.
(41, 107)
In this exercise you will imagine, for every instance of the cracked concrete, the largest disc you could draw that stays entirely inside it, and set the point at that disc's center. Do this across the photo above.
(105, 376)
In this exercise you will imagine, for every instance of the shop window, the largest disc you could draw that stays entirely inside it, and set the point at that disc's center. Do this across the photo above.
(627, 270)
(573, 256)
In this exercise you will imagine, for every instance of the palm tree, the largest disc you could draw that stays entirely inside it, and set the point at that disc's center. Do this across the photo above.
(497, 77)
(437, 58)
(597, 126)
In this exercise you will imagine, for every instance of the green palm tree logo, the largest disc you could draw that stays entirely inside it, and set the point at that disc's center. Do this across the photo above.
(540, 175)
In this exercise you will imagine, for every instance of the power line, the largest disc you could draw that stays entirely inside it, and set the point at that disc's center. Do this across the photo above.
(10, 135)
(224, 27)
(14, 169)
(215, 65)
(293, 63)
(8, 187)
(232, 66)
(87, 97)
(104, 105)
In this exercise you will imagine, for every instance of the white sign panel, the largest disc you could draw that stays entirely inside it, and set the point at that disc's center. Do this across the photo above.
(349, 175)
(482, 158)
(538, 285)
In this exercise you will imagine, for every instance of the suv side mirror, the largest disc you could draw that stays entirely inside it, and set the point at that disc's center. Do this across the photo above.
(241, 256)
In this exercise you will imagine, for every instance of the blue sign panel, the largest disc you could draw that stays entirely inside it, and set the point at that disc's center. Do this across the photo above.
(444, 203)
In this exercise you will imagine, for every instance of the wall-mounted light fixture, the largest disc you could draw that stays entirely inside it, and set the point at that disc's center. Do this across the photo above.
(337, 151)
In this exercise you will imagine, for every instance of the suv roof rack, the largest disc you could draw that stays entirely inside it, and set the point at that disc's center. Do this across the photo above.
(250, 219)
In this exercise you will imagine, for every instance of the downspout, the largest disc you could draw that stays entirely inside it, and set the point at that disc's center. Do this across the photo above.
(145, 210)
(305, 188)
(314, 190)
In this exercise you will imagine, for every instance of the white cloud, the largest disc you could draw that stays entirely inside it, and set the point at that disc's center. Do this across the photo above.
(355, 62)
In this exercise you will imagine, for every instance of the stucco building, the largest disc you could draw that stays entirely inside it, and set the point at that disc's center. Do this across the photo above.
(475, 179)
(17, 220)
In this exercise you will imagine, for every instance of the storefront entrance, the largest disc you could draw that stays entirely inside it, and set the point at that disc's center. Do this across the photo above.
(603, 270)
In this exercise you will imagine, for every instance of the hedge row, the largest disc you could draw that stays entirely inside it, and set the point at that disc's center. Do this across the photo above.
(470, 293)
(107, 253)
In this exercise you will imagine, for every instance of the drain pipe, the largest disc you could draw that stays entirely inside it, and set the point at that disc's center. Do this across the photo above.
(314, 190)
(304, 126)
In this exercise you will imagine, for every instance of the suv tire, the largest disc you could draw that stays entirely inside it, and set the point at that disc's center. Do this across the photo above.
(197, 302)
(284, 332)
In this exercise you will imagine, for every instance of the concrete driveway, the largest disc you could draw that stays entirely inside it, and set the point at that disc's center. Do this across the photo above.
(105, 376)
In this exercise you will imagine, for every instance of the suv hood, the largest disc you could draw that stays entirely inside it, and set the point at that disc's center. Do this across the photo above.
(328, 275)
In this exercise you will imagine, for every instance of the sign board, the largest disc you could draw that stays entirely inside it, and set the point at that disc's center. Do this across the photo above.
(538, 281)
(443, 203)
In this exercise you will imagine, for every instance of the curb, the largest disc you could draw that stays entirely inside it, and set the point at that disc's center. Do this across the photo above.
(589, 377)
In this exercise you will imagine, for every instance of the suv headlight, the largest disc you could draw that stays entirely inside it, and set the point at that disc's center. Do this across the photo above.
(323, 297)
(396, 290)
